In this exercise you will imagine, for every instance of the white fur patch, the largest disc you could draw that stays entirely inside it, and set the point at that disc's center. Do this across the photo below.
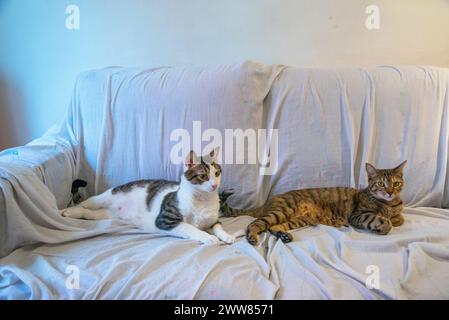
(131, 206)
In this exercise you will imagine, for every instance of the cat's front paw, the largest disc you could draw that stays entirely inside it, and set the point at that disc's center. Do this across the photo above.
(397, 220)
(210, 239)
(228, 239)
(381, 225)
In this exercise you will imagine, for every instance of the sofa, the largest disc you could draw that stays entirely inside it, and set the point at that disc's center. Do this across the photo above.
(121, 125)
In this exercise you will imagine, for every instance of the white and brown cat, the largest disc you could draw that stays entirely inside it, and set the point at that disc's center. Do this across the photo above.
(185, 209)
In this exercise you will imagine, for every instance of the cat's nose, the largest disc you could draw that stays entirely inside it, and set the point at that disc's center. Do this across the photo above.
(214, 186)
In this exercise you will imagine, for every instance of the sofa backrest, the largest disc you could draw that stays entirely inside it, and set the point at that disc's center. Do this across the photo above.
(332, 121)
(329, 123)
(123, 119)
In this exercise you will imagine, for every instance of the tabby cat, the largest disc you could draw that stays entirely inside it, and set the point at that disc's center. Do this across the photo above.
(377, 208)
(186, 209)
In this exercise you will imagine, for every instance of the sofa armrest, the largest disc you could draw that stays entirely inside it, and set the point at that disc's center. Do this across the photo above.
(35, 180)
(52, 160)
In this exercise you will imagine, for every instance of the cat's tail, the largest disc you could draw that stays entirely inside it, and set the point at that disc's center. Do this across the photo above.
(228, 211)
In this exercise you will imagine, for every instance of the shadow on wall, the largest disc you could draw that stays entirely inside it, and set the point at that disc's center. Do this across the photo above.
(11, 114)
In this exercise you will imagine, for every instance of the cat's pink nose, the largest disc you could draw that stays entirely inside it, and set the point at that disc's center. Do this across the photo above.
(214, 187)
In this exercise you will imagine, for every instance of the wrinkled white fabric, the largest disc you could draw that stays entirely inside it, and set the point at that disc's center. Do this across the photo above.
(321, 263)
(123, 118)
(330, 123)
(118, 130)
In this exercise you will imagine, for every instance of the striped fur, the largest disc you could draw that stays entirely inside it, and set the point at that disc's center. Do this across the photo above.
(376, 208)
(228, 211)
(169, 216)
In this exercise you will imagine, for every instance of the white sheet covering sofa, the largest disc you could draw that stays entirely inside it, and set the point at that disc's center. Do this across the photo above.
(330, 122)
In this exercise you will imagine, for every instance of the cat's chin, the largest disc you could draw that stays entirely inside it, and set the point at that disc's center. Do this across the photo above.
(207, 190)
(385, 198)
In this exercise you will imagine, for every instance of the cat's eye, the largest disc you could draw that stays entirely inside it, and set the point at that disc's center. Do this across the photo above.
(203, 177)
(397, 184)
(380, 184)
(217, 174)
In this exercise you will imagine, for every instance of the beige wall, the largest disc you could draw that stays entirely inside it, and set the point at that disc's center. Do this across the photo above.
(39, 57)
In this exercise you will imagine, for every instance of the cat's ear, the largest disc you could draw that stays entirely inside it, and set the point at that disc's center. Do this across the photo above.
(370, 170)
(191, 159)
(400, 168)
(213, 155)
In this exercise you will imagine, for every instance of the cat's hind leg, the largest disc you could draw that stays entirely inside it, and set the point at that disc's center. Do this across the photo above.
(79, 212)
(94, 208)
(254, 229)
(280, 231)
(103, 200)
(273, 217)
